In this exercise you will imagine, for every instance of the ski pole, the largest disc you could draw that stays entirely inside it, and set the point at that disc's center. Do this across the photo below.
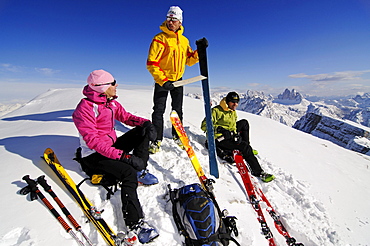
(42, 181)
(33, 189)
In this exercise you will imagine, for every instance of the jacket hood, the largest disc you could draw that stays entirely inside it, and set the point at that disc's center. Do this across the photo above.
(223, 105)
(95, 96)
(165, 29)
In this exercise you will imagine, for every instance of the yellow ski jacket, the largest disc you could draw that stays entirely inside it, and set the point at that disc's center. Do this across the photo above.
(169, 52)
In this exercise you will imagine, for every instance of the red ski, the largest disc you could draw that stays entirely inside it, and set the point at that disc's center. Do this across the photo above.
(255, 195)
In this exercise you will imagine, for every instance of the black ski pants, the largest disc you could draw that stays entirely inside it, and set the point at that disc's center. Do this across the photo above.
(160, 100)
(132, 140)
(242, 128)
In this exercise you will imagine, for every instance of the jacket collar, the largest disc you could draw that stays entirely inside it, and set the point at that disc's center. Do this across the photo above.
(95, 96)
(165, 29)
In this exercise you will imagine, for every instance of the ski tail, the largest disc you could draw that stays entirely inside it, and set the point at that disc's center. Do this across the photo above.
(256, 195)
(188, 81)
(291, 241)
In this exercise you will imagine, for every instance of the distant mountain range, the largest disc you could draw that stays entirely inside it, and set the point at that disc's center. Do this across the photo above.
(291, 105)
(344, 121)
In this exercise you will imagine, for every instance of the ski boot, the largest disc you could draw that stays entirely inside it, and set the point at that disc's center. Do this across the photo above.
(144, 231)
(266, 177)
(146, 178)
(155, 147)
(179, 143)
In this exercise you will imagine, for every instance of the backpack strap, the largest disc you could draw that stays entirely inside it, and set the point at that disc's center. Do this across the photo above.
(176, 216)
(234, 241)
(79, 184)
(110, 191)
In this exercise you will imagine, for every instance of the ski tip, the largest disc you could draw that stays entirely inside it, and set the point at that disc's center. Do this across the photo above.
(48, 151)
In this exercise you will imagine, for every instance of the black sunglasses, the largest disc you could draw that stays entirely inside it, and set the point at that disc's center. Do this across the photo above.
(110, 83)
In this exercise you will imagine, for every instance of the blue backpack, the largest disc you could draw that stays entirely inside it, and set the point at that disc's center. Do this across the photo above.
(199, 219)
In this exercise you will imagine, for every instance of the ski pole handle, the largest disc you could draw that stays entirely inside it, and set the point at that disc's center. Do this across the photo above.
(31, 183)
(42, 181)
(33, 186)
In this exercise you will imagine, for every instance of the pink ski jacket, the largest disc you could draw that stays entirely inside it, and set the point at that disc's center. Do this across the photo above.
(94, 118)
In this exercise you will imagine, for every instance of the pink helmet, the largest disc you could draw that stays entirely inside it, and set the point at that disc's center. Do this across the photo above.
(98, 78)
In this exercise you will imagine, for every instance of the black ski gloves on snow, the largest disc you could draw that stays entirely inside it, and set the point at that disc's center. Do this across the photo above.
(226, 134)
(149, 129)
(134, 161)
(168, 86)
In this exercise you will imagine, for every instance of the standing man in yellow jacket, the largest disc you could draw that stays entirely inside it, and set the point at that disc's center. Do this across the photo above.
(169, 53)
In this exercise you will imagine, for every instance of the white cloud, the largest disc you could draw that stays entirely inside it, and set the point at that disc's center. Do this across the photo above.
(5, 67)
(47, 71)
(336, 76)
(10, 68)
(337, 83)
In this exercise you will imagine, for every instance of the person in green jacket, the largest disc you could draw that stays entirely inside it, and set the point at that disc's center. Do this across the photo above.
(231, 134)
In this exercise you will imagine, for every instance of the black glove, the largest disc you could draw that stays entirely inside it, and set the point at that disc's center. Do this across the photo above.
(203, 42)
(149, 129)
(237, 139)
(134, 161)
(168, 86)
(225, 133)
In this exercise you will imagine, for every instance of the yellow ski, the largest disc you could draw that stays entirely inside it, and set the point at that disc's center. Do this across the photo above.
(176, 122)
(89, 210)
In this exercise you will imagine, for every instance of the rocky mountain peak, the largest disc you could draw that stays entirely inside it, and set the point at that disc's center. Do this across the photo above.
(289, 97)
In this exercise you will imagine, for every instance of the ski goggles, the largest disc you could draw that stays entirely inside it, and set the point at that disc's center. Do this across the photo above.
(110, 83)
(173, 19)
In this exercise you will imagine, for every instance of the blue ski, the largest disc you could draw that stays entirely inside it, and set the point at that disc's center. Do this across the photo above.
(202, 45)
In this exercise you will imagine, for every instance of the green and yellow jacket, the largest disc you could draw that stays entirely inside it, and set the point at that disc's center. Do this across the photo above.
(222, 116)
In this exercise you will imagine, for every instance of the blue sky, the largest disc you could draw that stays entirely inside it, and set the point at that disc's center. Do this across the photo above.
(319, 47)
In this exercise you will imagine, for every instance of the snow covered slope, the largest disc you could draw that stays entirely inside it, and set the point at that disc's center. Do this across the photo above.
(321, 190)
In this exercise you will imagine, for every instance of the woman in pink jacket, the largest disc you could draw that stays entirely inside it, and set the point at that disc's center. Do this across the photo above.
(124, 157)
